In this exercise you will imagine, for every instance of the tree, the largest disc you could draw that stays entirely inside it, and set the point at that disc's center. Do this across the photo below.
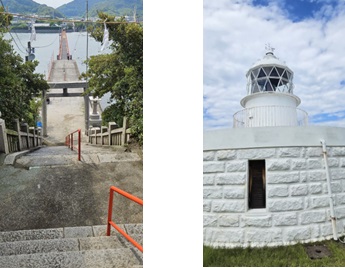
(19, 85)
(120, 72)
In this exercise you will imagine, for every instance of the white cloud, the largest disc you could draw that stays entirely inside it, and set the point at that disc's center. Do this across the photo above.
(235, 34)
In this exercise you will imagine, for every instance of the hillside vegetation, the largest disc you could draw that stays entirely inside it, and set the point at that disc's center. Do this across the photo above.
(77, 8)
(30, 7)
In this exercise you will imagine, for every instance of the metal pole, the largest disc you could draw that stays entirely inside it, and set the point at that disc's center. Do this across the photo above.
(333, 218)
(79, 143)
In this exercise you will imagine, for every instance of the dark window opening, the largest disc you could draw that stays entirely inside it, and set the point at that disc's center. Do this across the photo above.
(257, 184)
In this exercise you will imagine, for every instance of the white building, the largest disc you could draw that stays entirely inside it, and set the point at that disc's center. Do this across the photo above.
(272, 180)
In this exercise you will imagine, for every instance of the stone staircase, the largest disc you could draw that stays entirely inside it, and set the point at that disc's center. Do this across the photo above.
(71, 247)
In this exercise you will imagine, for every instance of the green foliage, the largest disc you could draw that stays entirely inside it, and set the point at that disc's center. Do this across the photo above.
(29, 7)
(18, 84)
(283, 256)
(112, 113)
(114, 7)
(120, 72)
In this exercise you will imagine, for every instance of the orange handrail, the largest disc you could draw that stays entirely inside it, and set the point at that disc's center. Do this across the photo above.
(69, 142)
(110, 211)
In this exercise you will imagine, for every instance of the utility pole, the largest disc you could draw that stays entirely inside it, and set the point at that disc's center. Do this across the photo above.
(30, 50)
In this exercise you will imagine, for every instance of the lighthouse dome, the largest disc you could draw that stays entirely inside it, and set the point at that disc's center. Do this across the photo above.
(269, 74)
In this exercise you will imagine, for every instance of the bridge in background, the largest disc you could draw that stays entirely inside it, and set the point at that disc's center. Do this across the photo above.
(65, 113)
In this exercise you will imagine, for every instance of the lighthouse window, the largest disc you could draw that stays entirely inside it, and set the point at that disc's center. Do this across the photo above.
(257, 184)
(280, 71)
(255, 72)
(274, 73)
(285, 75)
(261, 74)
(267, 70)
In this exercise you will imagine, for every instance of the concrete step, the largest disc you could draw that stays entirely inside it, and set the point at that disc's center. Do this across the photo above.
(85, 246)
(105, 258)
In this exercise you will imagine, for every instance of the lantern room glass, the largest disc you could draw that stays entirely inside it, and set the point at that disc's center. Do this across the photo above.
(270, 78)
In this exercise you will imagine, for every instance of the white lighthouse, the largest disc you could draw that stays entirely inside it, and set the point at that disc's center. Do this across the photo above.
(270, 100)
(268, 181)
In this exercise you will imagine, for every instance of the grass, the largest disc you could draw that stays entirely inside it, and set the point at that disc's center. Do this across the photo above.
(288, 256)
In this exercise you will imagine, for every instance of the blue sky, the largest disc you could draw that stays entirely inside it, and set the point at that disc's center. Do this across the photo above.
(307, 34)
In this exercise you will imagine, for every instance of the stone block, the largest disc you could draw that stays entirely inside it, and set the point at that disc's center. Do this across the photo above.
(264, 236)
(314, 164)
(256, 221)
(327, 229)
(278, 164)
(342, 162)
(207, 205)
(318, 175)
(287, 204)
(213, 167)
(303, 176)
(213, 193)
(314, 152)
(337, 173)
(298, 164)
(237, 192)
(285, 219)
(209, 155)
(223, 236)
(278, 191)
(290, 152)
(236, 166)
(101, 242)
(340, 199)
(315, 188)
(313, 217)
(256, 153)
(226, 155)
(231, 179)
(220, 206)
(336, 187)
(210, 220)
(228, 221)
(209, 179)
(319, 202)
(283, 177)
(332, 163)
(340, 212)
(297, 233)
(338, 151)
(299, 190)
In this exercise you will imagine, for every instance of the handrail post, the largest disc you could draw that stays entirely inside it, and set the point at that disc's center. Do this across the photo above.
(72, 141)
(79, 143)
(110, 210)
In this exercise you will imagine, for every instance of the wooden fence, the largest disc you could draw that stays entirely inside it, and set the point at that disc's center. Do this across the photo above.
(23, 138)
(111, 135)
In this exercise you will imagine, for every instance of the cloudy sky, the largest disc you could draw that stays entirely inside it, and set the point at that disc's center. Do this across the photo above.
(308, 35)
(53, 3)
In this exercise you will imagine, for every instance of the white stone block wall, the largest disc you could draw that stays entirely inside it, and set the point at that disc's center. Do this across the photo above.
(297, 202)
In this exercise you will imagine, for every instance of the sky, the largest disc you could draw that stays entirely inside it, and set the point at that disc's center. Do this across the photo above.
(53, 3)
(308, 35)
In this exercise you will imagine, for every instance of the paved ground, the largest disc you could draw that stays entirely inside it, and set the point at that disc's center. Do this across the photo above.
(37, 195)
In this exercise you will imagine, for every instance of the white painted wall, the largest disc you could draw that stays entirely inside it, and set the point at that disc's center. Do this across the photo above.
(297, 204)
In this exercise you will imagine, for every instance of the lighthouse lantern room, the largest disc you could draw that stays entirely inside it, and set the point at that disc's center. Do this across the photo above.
(270, 100)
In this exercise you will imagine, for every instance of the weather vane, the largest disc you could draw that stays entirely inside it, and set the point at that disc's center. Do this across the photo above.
(269, 48)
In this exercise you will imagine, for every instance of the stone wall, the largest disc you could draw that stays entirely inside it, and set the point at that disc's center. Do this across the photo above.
(297, 203)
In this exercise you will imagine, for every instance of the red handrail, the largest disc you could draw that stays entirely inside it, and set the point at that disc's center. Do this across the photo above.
(69, 142)
(110, 211)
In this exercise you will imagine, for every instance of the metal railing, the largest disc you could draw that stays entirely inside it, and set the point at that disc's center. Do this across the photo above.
(264, 116)
(69, 141)
(110, 212)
